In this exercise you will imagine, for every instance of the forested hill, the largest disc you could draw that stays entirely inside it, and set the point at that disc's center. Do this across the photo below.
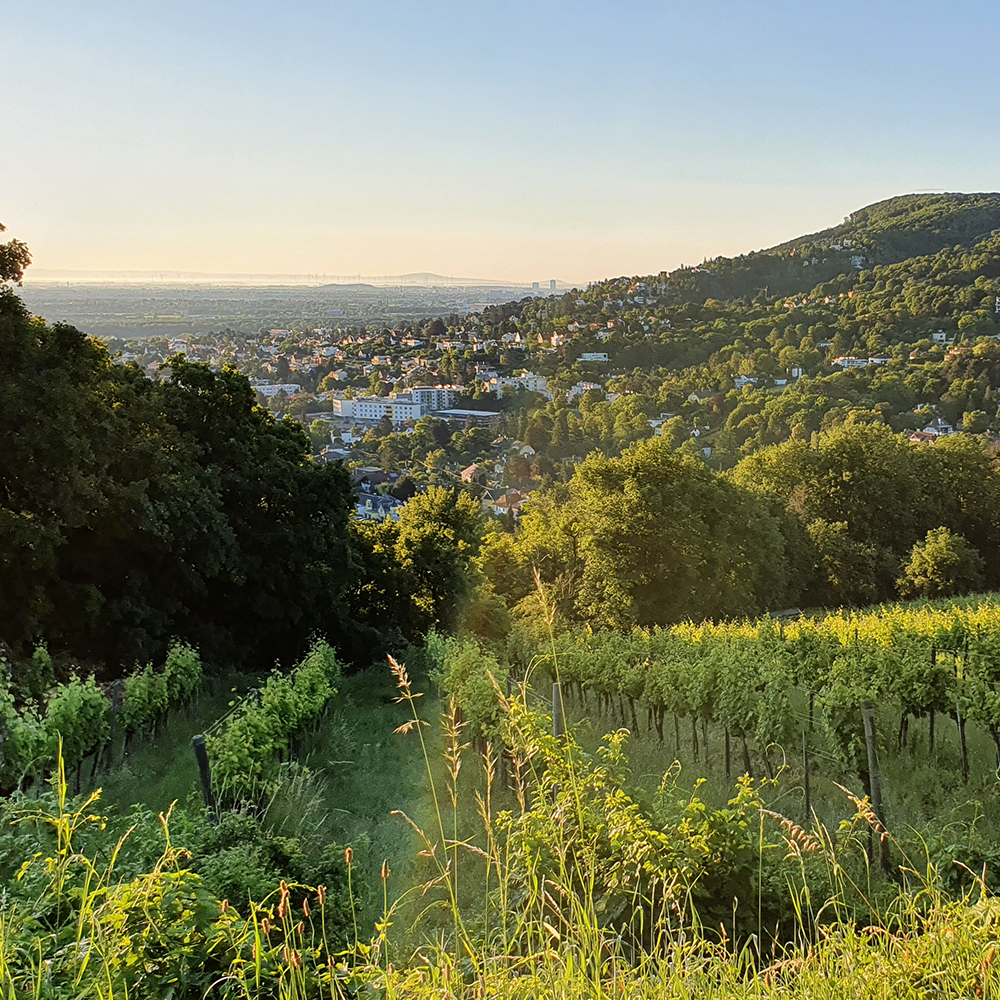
(884, 233)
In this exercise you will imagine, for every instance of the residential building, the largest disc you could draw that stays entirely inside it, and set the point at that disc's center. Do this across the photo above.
(579, 389)
(373, 507)
(435, 397)
(289, 388)
(510, 502)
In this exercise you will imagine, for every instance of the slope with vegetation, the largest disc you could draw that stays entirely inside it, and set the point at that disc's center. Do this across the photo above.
(142, 518)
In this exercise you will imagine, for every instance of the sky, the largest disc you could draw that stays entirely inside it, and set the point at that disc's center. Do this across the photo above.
(502, 140)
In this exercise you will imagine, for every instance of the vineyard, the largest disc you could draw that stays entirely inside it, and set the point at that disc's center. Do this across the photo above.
(86, 717)
(539, 851)
(833, 699)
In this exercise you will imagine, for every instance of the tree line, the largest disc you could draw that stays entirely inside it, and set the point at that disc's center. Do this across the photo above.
(137, 511)
(652, 536)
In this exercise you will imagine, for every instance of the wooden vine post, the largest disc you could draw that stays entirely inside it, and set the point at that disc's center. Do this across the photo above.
(558, 719)
(204, 771)
(805, 772)
(868, 715)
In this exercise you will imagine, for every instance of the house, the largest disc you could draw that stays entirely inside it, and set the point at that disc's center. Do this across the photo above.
(593, 356)
(579, 389)
(331, 454)
(366, 478)
(510, 502)
(657, 422)
(290, 389)
(490, 497)
(939, 427)
(849, 361)
(744, 380)
(922, 437)
(378, 508)
(470, 474)
(701, 395)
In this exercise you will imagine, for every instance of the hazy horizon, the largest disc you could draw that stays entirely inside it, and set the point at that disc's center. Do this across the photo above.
(515, 142)
(36, 275)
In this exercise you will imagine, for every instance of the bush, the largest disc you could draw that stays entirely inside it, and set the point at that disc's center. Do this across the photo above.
(941, 565)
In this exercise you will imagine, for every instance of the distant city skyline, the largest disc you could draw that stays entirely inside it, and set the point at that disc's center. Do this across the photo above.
(516, 142)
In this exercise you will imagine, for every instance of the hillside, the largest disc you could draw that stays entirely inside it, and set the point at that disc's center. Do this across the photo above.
(886, 232)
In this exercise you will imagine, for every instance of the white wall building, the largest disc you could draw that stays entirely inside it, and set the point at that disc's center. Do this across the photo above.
(435, 397)
(374, 408)
(268, 391)
(399, 407)
(526, 380)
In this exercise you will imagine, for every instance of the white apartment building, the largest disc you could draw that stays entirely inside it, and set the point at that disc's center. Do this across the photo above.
(373, 408)
(435, 397)
(526, 380)
(399, 407)
(268, 391)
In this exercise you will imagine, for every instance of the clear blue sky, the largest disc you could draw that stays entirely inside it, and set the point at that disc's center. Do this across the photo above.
(503, 139)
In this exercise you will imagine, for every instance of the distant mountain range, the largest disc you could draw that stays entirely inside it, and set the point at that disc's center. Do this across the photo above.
(415, 279)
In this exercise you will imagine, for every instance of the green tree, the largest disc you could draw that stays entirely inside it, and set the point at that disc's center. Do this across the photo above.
(941, 565)
(14, 258)
(319, 434)
(663, 539)
(975, 421)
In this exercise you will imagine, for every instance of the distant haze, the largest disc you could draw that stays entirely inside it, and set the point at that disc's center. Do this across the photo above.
(41, 275)
(517, 141)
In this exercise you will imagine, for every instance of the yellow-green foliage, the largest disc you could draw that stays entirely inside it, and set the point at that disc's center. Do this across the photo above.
(244, 749)
(469, 675)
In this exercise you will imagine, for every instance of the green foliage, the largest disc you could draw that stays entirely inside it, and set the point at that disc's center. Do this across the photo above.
(647, 538)
(867, 495)
(417, 573)
(77, 716)
(89, 915)
(244, 751)
(136, 510)
(470, 676)
(941, 565)
(78, 712)
(14, 258)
